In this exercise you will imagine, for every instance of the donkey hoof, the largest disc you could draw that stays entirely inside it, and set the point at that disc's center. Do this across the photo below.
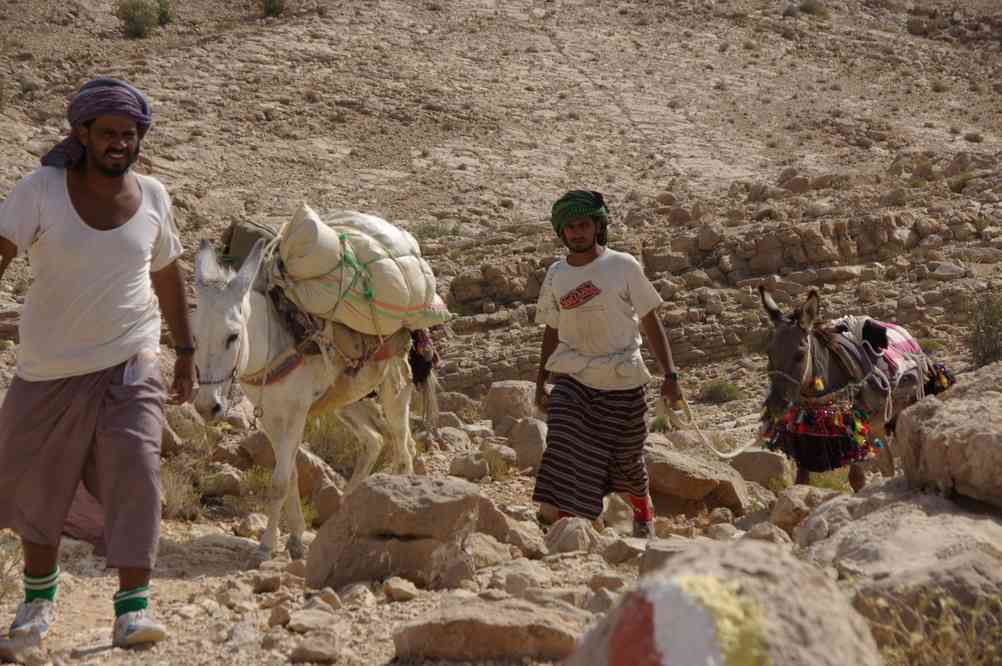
(297, 550)
(260, 555)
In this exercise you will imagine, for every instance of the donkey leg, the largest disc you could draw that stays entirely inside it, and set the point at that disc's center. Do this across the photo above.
(288, 432)
(857, 477)
(363, 418)
(803, 477)
(395, 396)
(294, 517)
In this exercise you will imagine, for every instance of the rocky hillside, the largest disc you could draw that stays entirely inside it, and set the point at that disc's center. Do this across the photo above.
(848, 145)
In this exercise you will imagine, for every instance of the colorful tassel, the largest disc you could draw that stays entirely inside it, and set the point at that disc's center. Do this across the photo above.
(819, 384)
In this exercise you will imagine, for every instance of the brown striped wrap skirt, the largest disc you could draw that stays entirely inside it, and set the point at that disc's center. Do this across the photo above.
(103, 429)
(594, 446)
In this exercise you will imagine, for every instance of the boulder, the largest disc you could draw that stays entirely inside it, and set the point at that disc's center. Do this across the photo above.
(573, 534)
(953, 441)
(511, 629)
(528, 438)
(408, 526)
(511, 399)
(796, 503)
(745, 602)
(674, 474)
(766, 468)
(905, 550)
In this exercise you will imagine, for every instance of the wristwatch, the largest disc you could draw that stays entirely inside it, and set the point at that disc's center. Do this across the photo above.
(672, 376)
(184, 350)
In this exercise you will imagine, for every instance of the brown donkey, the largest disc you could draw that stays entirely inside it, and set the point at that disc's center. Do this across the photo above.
(825, 409)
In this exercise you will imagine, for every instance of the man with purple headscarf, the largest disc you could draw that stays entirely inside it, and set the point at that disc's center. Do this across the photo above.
(86, 405)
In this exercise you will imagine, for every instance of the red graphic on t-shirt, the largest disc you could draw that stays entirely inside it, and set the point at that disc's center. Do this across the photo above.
(580, 295)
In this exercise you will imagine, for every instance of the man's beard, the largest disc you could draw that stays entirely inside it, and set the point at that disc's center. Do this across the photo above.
(581, 247)
(114, 172)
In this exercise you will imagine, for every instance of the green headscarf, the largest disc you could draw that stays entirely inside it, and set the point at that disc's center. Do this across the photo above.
(581, 203)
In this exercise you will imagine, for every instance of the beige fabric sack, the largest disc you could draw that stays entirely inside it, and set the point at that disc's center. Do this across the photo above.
(358, 270)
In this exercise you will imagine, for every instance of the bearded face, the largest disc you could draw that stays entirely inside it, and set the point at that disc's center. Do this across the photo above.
(112, 144)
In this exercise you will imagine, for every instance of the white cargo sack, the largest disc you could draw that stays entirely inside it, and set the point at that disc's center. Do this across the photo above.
(359, 270)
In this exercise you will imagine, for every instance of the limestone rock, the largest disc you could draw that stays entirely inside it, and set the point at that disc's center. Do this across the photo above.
(528, 438)
(953, 441)
(509, 398)
(778, 610)
(500, 630)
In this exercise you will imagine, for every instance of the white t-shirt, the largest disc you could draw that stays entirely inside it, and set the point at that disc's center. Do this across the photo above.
(596, 310)
(91, 303)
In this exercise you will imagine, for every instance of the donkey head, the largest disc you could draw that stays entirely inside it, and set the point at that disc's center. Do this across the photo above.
(220, 327)
(789, 351)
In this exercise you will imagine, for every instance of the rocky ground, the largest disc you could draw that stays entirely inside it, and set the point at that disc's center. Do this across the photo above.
(848, 145)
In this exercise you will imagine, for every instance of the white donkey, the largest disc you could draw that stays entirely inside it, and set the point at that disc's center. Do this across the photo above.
(240, 337)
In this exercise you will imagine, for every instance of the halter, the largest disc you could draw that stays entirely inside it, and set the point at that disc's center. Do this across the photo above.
(805, 378)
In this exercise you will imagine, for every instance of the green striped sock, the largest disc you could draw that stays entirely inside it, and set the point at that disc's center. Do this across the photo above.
(41, 587)
(127, 601)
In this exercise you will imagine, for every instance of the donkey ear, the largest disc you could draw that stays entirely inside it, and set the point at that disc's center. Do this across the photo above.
(206, 266)
(775, 314)
(809, 310)
(242, 283)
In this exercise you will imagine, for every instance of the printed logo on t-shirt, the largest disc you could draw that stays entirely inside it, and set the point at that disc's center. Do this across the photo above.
(579, 295)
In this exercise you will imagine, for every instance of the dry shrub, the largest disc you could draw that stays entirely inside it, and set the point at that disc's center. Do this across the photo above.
(720, 391)
(272, 7)
(814, 8)
(334, 442)
(10, 564)
(139, 17)
(254, 498)
(181, 500)
(931, 628)
(985, 338)
(256, 488)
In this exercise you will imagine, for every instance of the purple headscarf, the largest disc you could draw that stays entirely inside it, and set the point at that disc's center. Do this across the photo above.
(100, 97)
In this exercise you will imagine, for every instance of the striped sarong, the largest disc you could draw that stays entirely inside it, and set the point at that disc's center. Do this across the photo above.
(594, 446)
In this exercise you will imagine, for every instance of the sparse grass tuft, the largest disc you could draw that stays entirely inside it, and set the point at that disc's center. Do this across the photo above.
(334, 442)
(985, 337)
(932, 628)
(720, 391)
(181, 500)
(272, 7)
(660, 424)
(837, 479)
(256, 484)
(139, 17)
(10, 564)
(932, 345)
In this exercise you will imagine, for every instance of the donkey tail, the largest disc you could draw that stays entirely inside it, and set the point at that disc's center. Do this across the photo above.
(429, 401)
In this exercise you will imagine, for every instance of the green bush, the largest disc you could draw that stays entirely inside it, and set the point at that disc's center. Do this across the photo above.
(139, 17)
(719, 392)
(985, 338)
(660, 424)
(272, 7)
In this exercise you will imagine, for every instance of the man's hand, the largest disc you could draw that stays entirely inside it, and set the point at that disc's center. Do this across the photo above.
(671, 391)
(542, 398)
(183, 389)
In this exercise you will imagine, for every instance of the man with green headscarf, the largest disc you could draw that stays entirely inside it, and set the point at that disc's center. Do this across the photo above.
(595, 303)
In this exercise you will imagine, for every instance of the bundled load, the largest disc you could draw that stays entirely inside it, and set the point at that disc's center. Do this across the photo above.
(357, 270)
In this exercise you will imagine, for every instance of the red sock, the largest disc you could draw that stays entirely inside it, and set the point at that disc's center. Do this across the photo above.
(643, 511)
